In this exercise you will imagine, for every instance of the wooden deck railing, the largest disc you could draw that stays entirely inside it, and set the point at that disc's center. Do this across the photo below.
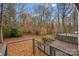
(42, 47)
(71, 38)
(45, 48)
(51, 50)
(3, 51)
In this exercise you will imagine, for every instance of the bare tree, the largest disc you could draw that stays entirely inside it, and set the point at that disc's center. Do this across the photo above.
(65, 10)
(11, 10)
(44, 11)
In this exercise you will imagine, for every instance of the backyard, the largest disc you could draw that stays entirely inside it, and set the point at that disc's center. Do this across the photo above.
(23, 45)
(43, 29)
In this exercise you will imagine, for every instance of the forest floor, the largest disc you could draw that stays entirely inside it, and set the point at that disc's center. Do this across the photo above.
(23, 45)
(26, 37)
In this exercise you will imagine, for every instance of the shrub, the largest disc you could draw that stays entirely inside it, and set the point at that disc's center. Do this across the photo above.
(15, 33)
(46, 40)
(11, 33)
(6, 32)
(18, 33)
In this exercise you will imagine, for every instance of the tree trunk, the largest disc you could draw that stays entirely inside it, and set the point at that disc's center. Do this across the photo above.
(1, 23)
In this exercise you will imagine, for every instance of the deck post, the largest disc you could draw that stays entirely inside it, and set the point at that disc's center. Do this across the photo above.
(77, 8)
(52, 51)
(6, 51)
(78, 32)
(33, 43)
(44, 47)
(3, 51)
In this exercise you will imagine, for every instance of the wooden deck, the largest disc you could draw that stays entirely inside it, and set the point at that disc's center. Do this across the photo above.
(66, 47)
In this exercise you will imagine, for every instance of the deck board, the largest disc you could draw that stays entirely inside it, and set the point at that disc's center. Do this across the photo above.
(66, 47)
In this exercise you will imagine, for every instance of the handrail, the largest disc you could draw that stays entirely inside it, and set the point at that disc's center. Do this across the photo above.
(61, 51)
(43, 50)
(4, 48)
(54, 49)
(3, 51)
(19, 41)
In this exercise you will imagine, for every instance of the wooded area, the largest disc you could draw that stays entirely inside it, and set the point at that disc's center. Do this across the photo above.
(44, 19)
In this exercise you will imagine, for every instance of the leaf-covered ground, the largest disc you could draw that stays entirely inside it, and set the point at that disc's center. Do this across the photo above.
(22, 46)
